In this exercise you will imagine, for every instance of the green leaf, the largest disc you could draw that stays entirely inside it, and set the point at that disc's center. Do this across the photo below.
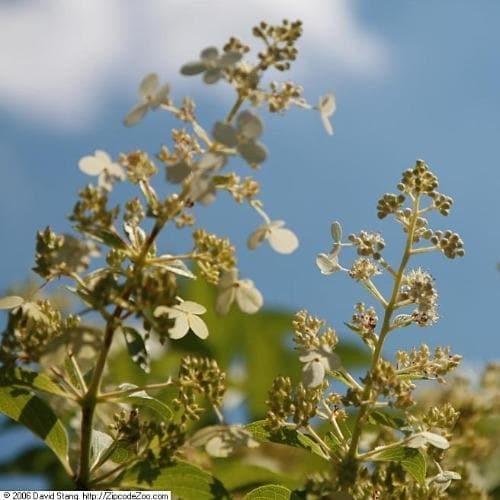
(25, 378)
(107, 236)
(271, 492)
(290, 437)
(11, 302)
(142, 398)
(411, 459)
(70, 371)
(383, 418)
(136, 348)
(185, 480)
(100, 443)
(237, 476)
(29, 410)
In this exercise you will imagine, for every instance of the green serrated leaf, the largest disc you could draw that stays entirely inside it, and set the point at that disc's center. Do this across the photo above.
(19, 377)
(27, 409)
(183, 479)
(142, 398)
(290, 437)
(411, 459)
(271, 492)
(136, 348)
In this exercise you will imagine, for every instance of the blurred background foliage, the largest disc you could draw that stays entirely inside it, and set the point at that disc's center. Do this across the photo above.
(252, 349)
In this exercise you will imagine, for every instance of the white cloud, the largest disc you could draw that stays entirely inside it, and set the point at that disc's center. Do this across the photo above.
(62, 58)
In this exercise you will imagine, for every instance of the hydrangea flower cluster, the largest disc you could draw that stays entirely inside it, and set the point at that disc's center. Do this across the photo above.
(135, 291)
(406, 440)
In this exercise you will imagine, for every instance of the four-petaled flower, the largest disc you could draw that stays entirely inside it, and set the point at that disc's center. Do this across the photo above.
(211, 64)
(100, 164)
(329, 263)
(230, 288)
(243, 137)
(152, 95)
(282, 240)
(186, 318)
(317, 363)
(326, 107)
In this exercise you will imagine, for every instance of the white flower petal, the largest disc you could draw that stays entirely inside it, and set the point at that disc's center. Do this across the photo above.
(436, 440)
(209, 54)
(116, 171)
(249, 125)
(136, 114)
(11, 302)
(225, 134)
(180, 328)
(178, 172)
(252, 152)
(327, 105)
(103, 156)
(309, 356)
(105, 181)
(228, 278)
(149, 84)
(283, 240)
(212, 76)
(276, 223)
(193, 68)
(313, 374)
(248, 298)
(161, 310)
(258, 236)
(336, 230)
(161, 95)
(224, 300)
(327, 125)
(416, 441)
(91, 165)
(328, 264)
(198, 326)
(229, 59)
(191, 307)
(331, 361)
(211, 161)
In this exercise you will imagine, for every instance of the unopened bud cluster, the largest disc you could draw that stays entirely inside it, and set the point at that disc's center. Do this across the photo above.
(199, 376)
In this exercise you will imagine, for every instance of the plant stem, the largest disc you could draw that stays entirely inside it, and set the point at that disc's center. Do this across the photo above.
(385, 329)
(90, 399)
(119, 394)
(234, 109)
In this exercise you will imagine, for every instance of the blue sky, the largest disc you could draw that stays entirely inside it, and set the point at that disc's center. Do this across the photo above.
(412, 80)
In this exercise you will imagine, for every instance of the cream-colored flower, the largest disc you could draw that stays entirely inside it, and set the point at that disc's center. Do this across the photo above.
(152, 95)
(211, 64)
(231, 289)
(11, 302)
(318, 362)
(282, 240)
(186, 318)
(328, 263)
(101, 164)
(326, 107)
